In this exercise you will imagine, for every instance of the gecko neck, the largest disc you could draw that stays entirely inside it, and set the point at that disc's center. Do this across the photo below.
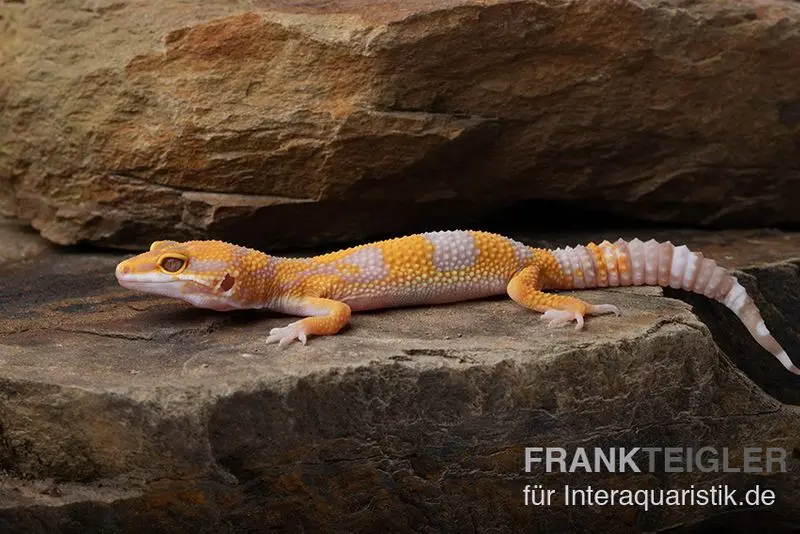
(278, 279)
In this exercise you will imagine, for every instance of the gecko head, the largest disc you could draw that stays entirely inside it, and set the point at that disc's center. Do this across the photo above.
(202, 273)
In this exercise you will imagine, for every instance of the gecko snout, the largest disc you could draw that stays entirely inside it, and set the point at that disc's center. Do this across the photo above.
(122, 270)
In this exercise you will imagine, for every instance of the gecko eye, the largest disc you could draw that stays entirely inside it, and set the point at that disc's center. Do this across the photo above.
(171, 264)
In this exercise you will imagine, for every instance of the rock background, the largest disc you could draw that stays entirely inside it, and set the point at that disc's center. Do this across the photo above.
(282, 123)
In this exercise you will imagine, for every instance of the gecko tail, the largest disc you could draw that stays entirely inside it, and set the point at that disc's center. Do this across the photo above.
(626, 263)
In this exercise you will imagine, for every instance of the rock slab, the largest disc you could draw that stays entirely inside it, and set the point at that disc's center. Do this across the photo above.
(122, 412)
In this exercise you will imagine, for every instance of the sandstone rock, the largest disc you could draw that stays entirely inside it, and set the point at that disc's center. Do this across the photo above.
(279, 123)
(126, 412)
(18, 242)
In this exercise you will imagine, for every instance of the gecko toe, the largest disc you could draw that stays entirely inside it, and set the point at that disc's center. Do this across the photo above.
(601, 309)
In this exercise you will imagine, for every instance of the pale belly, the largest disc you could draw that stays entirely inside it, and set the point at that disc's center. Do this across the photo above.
(434, 293)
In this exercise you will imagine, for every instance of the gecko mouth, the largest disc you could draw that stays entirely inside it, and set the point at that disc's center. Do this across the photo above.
(134, 281)
(164, 285)
(128, 283)
(148, 282)
(168, 288)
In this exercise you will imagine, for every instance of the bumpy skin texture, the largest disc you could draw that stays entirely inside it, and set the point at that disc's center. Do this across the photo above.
(430, 268)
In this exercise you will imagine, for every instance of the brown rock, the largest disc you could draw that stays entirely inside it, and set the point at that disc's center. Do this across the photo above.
(282, 123)
(19, 242)
(127, 412)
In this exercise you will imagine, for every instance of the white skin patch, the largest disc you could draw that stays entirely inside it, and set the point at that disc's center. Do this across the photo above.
(452, 250)
(704, 272)
(521, 251)
(651, 259)
(370, 262)
(690, 273)
(576, 265)
(761, 328)
(563, 260)
(678, 266)
(636, 248)
(713, 282)
(580, 266)
(587, 266)
(735, 297)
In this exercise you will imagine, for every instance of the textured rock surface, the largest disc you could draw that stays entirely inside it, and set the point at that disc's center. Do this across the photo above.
(124, 412)
(286, 123)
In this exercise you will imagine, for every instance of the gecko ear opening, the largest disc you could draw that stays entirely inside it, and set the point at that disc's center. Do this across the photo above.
(227, 282)
(172, 263)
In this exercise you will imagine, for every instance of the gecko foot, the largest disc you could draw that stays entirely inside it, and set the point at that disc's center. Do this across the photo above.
(287, 334)
(560, 318)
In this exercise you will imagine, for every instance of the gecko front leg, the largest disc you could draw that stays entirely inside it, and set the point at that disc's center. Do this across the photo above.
(324, 317)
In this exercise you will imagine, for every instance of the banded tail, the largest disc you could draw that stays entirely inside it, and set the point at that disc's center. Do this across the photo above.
(636, 263)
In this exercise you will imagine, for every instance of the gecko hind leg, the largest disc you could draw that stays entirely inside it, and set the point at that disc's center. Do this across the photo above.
(525, 289)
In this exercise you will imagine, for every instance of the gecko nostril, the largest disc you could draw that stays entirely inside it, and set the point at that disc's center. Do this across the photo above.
(123, 269)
